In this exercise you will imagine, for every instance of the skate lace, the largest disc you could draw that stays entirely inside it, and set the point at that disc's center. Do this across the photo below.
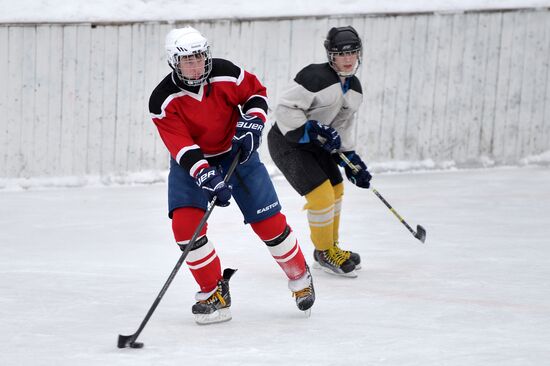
(216, 296)
(345, 253)
(336, 256)
(302, 293)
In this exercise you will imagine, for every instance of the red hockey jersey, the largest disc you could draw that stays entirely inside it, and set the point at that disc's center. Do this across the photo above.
(199, 122)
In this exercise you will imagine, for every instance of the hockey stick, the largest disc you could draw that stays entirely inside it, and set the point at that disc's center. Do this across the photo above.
(420, 232)
(130, 340)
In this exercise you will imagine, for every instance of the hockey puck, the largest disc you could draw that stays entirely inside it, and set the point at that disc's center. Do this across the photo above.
(136, 345)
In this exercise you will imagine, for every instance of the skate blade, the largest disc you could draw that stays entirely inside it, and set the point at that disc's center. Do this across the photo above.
(351, 274)
(218, 316)
(307, 313)
(357, 266)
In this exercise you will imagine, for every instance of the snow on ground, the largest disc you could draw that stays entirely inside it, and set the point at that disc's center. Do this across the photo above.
(81, 265)
(150, 177)
(139, 10)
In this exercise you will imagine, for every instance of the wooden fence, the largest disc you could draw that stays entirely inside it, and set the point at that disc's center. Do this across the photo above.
(73, 97)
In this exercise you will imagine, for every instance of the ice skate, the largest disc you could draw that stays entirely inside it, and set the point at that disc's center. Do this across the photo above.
(303, 291)
(213, 307)
(354, 257)
(334, 261)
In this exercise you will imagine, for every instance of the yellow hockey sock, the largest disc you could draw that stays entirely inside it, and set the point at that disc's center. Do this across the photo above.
(338, 193)
(320, 214)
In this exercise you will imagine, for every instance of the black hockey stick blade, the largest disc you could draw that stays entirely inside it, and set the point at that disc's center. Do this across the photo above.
(127, 341)
(420, 233)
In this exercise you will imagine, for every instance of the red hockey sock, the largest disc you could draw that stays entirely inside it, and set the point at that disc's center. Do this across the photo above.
(202, 260)
(282, 245)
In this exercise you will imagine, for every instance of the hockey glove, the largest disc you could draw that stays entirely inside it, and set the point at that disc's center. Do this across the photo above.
(323, 135)
(248, 136)
(361, 176)
(212, 184)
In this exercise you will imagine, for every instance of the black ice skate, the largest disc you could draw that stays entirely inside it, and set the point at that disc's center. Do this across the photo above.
(334, 261)
(354, 257)
(213, 307)
(302, 289)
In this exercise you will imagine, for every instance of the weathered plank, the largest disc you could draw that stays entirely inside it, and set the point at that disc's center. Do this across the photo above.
(4, 59)
(444, 87)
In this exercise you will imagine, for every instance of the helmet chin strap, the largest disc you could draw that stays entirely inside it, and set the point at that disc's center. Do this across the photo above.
(193, 82)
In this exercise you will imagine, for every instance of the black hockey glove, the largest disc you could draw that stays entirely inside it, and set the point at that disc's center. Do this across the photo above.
(323, 135)
(248, 136)
(212, 184)
(361, 177)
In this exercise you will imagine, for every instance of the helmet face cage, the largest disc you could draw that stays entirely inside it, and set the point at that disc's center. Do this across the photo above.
(331, 56)
(188, 45)
(343, 41)
(176, 60)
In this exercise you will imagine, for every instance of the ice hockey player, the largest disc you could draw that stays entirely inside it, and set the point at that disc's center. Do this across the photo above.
(206, 110)
(315, 119)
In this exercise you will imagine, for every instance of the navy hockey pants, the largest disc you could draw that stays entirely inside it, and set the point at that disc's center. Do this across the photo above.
(252, 189)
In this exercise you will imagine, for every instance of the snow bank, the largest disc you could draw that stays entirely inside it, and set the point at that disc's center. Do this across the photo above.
(30, 11)
(153, 177)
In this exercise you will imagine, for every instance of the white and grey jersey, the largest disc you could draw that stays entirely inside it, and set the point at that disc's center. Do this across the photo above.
(317, 94)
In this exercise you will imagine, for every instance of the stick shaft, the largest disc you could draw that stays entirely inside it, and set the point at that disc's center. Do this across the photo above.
(393, 211)
(172, 275)
(355, 170)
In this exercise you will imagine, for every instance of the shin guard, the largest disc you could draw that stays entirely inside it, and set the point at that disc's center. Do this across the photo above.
(282, 245)
(320, 214)
(202, 260)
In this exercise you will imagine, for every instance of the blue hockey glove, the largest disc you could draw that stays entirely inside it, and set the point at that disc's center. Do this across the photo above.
(323, 135)
(361, 176)
(248, 136)
(212, 184)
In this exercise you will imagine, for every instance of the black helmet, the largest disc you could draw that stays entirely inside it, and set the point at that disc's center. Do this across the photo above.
(343, 39)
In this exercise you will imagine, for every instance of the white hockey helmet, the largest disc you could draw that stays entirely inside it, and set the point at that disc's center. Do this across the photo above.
(183, 42)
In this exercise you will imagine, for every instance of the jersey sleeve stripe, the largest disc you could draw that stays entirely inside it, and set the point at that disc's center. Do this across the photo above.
(184, 150)
(241, 76)
(257, 111)
(218, 79)
(255, 103)
(237, 80)
(197, 167)
(192, 159)
(257, 96)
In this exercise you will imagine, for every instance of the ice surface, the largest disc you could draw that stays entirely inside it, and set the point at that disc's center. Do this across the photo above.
(81, 265)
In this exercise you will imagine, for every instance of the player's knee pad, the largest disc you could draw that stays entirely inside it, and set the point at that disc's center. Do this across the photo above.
(321, 198)
(286, 235)
(201, 254)
(277, 235)
(286, 251)
(338, 191)
(270, 228)
(200, 242)
(202, 259)
(283, 247)
(185, 221)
